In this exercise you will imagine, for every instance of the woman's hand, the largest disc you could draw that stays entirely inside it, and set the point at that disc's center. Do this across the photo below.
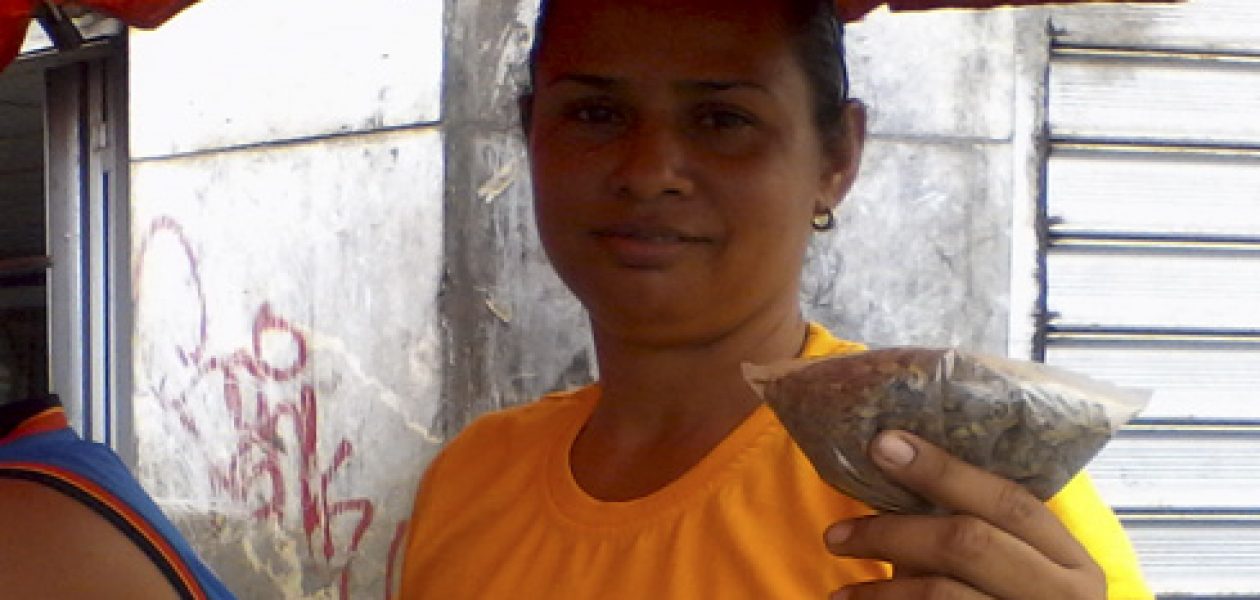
(1000, 541)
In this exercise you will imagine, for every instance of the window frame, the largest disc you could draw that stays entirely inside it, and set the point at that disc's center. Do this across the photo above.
(88, 229)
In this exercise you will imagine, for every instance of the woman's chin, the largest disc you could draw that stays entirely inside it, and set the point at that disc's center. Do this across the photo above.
(658, 326)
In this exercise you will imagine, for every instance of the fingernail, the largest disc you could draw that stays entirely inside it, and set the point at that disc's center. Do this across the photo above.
(841, 594)
(839, 533)
(893, 450)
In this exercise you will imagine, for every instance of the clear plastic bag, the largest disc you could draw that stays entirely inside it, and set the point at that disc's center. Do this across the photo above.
(1027, 422)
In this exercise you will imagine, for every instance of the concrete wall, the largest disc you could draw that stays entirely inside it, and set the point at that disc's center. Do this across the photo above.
(512, 330)
(287, 221)
(921, 253)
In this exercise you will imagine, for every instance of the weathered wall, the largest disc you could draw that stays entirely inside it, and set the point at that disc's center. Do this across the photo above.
(512, 331)
(921, 254)
(287, 224)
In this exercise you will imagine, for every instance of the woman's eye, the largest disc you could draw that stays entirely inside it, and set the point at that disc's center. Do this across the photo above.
(595, 114)
(724, 119)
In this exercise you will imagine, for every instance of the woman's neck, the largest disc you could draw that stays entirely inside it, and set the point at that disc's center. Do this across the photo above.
(663, 408)
(652, 386)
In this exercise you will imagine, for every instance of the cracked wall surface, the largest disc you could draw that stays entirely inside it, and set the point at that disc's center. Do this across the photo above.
(287, 247)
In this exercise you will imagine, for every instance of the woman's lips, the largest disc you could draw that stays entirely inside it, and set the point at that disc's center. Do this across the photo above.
(646, 246)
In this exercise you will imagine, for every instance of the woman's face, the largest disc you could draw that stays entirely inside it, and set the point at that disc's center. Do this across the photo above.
(676, 164)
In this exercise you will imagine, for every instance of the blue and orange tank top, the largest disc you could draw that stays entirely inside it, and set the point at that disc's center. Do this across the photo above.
(37, 445)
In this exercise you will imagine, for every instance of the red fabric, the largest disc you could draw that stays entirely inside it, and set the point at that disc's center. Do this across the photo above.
(145, 14)
(49, 420)
(852, 10)
(15, 17)
(15, 14)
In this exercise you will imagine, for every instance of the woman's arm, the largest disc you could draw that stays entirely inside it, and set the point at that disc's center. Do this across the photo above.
(52, 546)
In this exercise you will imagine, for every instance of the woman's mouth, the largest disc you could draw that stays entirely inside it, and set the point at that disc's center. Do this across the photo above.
(646, 246)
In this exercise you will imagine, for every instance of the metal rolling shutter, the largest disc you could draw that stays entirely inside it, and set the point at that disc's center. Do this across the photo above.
(1152, 271)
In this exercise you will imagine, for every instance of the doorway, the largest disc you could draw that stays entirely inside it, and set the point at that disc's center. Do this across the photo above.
(64, 236)
(24, 356)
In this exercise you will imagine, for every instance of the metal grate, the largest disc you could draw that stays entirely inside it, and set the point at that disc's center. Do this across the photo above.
(1152, 279)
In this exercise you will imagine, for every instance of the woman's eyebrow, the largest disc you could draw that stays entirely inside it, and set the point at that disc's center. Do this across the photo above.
(720, 85)
(583, 79)
(693, 86)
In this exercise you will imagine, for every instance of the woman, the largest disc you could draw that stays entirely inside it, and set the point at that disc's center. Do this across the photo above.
(683, 152)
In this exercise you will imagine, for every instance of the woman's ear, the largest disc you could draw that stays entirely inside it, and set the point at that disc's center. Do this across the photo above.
(846, 154)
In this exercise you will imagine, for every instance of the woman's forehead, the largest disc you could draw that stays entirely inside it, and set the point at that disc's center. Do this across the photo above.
(634, 18)
(709, 35)
(711, 7)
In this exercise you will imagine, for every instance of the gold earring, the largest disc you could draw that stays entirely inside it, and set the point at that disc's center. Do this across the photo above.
(824, 220)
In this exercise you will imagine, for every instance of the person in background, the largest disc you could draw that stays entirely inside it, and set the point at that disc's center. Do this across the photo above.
(75, 524)
(682, 154)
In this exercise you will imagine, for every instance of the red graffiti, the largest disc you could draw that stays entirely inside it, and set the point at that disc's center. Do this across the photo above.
(267, 404)
(188, 356)
(391, 563)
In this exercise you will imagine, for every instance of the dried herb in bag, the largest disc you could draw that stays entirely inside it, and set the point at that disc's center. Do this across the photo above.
(1027, 422)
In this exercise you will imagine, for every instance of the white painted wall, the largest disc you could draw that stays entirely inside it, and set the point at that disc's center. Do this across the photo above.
(233, 72)
(287, 221)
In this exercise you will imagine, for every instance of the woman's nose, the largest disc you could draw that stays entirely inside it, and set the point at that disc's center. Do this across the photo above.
(653, 163)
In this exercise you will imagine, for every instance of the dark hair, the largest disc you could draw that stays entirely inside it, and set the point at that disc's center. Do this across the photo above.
(819, 43)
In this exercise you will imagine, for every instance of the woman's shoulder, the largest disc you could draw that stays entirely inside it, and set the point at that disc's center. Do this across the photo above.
(496, 460)
(536, 417)
(515, 432)
(55, 542)
(820, 342)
